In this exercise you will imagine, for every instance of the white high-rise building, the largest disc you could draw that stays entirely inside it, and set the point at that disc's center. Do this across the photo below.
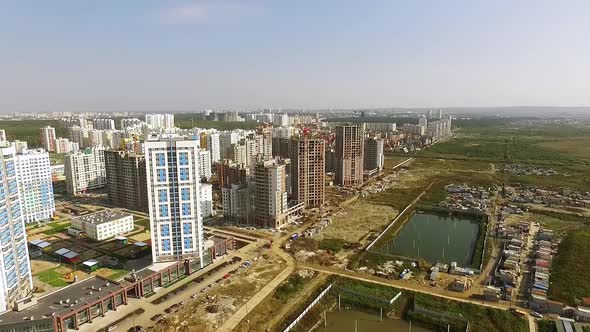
(16, 282)
(213, 146)
(34, 180)
(103, 124)
(130, 123)
(19, 146)
(173, 182)
(281, 120)
(160, 121)
(48, 138)
(206, 200)
(205, 164)
(85, 170)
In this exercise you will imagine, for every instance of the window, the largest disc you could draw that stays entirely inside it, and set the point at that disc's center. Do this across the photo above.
(166, 244)
(188, 243)
(186, 209)
(165, 230)
(185, 194)
(161, 175)
(183, 158)
(160, 159)
(186, 228)
(183, 174)
(163, 210)
(162, 195)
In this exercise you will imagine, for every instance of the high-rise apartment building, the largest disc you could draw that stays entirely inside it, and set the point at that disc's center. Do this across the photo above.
(48, 138)
(126, 180)
(103, 124)
(64, 146)
(85, 170)
(205, 164)
(160, 121)
(19, 146)
(206, 198)
(227, 139)
(308, 171)
(173, 194)
(374, 157)
(213, 146)
(237, 201)
(132, 122)
(35, 185)
(349, 154)
(16, 282)
(230, 173)
(270, 194)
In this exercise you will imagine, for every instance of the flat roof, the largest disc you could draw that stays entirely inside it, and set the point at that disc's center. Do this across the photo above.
(71, 254)
(48, 304)
(62, 251)
(102, 217)
(90, 262)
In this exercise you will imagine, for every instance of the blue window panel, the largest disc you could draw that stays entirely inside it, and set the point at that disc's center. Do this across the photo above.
(162, 195)
(187, 228)
(161, 175)
(160, 159)
(166, 244)
(163, 210)
(184, 174)
(185, 194)
(165, 230)
(183, 158)
(188, 243)
(186, 209)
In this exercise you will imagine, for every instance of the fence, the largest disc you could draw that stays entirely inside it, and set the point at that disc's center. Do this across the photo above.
(311, 305)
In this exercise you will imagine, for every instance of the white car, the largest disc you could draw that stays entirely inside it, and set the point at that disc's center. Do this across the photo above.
(536, 314)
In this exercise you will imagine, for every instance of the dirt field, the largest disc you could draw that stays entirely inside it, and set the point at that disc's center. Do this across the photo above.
(356, 220)
(41, 265)
(211, 309)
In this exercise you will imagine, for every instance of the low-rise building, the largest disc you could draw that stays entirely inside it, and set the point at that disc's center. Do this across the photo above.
(104, 224)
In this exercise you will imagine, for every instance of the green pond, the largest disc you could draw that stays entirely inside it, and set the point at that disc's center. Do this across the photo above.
(436, 238)
(350, 320)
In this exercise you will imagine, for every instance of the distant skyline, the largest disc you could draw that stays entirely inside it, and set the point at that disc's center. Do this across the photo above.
(150, 55)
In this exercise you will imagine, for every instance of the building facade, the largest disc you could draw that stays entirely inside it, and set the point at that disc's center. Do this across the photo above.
(374, 157)
(103, 124)
(126, 180)
(213, 146)
(48, 138)
(349, 155)
(308, 171)
(205, 164)
(105, 224)
(36, 187)
(16, 281)
(173, 194)
(206, 198)
(270, 194)
(85, 170)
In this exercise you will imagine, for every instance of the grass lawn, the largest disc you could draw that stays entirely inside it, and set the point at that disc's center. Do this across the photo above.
(29, 130)
(569, 281)
(57, 227)
(52, 277)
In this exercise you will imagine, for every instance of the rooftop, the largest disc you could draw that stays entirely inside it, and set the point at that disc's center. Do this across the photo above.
(101, 217)
(77, 293)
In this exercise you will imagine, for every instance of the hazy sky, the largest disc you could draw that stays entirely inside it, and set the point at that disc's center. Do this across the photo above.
(158, 55)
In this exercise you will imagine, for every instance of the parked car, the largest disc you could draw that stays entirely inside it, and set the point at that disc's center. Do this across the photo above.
(536, 314)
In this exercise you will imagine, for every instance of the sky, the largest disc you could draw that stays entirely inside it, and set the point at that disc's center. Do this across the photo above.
(72, 55)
